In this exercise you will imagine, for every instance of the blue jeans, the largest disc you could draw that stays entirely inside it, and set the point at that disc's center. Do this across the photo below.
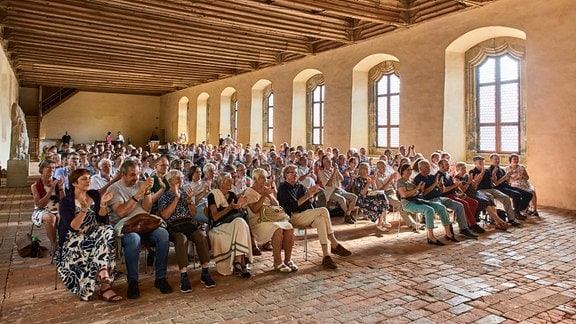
(458, 209)
(429, 211)
(131, 243)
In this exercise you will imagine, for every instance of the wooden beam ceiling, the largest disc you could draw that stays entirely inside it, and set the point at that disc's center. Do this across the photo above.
(159, 46)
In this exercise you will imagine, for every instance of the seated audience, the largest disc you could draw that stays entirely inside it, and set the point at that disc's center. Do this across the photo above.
(262, 202)
(331, 179)
(413, 201)
(131, 198)
(373, 203)
(482, 181)
(87, 246)
(500, 179)
(484, 202)
(298, 203)
(47, 192)
(519, 179)
(386, 178)
(177, 206)
(230, 234)
(450, 188)
(432, 192)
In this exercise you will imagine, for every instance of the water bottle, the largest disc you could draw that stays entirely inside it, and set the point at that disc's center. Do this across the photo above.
(35, 246)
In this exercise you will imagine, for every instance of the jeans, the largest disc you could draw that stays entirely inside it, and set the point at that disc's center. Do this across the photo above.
(131, 243)
(458, 209)
(429, 211)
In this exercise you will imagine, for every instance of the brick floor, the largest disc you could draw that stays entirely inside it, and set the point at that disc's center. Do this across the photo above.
(526, 274)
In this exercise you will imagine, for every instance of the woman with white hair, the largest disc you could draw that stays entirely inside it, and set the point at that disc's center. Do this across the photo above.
(230, 234)
(268, 221)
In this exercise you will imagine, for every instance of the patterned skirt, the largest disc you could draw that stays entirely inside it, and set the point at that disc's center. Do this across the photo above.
(83, 255)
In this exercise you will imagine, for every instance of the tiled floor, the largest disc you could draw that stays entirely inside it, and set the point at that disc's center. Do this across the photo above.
(524, 275)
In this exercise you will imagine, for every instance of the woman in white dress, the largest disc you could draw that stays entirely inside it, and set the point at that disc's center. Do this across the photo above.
(268, 221)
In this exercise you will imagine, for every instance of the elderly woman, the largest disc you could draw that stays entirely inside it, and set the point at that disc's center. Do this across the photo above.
(230, 234)
(87, 246)
(412, 202)
(177, 206)
(47, 192)
(262, 203)
(373, 203)
(519, 179)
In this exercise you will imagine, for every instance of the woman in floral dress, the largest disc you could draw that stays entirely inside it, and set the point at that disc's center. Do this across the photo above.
(373, 203)
(87, 249)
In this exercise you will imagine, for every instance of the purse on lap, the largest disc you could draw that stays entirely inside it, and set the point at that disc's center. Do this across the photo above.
(273, 214)
(141, 224)
(183, 225)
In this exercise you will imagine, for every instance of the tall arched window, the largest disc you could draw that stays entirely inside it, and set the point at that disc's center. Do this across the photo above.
(384, 109)
(316, 89)
(496, 105)
(234, 116)
(268, 110)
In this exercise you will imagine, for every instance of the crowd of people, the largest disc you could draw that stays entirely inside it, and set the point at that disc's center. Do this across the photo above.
(231, 201)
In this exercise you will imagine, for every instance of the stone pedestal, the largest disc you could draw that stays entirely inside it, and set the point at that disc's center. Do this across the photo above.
(17, 173)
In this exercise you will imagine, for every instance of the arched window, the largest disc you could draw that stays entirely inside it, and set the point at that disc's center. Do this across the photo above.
(384, 106)
(234, 116)
(315, 86)
(496, 112)
(268, 114)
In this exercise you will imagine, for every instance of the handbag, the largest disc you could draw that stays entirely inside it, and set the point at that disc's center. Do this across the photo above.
(183, 225)
(228, 218)
(273, 214)
(141, 224)
(25, 245)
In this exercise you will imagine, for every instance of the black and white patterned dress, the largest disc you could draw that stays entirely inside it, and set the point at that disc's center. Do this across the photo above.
(84, 253)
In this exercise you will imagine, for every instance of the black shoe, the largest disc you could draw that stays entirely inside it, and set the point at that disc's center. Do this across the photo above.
(514, 223)
(163, 285)
(437, 242)
(520, 216)
(256, 251)
(133, 290)
(207, 280)
(467, 234)
(477, 229)
(453, 239)
(348, 219)
(150, 259)
(185, 283)
(340, 250)
(328, 263)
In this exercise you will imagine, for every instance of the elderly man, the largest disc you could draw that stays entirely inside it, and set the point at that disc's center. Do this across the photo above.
(103, 179)
(133, 197)
(482, 181)
(432, 192)
(297, 201)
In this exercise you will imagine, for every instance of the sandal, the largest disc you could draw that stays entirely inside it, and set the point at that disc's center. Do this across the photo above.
(282, 268)
(111, 299)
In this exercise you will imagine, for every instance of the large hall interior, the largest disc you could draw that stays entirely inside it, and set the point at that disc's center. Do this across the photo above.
(373, 74)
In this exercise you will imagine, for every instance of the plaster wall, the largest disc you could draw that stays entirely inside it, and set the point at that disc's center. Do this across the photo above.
(8, 96)
(421, 52)
(134, 116)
